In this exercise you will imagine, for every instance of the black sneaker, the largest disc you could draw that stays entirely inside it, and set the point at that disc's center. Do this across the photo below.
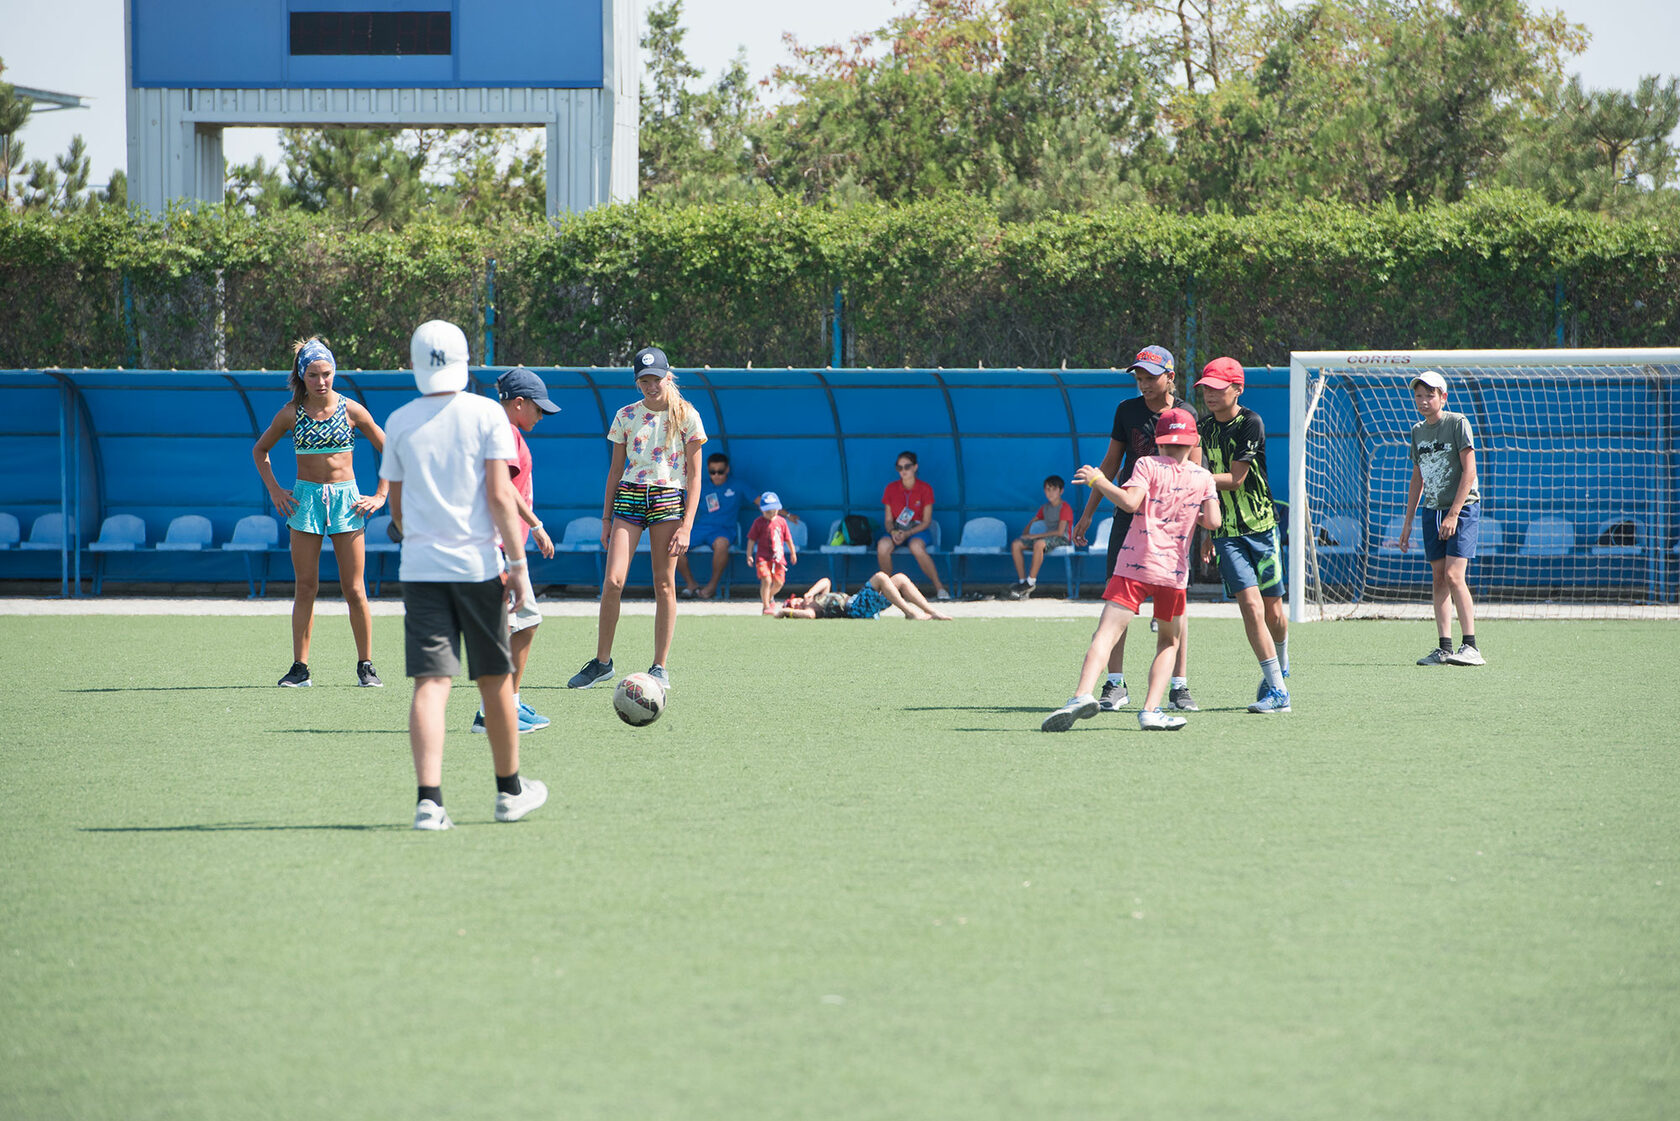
(366, 678)
(1113, 696)
(1179, 697)
(296, 678)
(592, 673)
(1020, 590)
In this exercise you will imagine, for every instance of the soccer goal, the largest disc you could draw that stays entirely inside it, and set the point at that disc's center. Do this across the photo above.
(1578, 474)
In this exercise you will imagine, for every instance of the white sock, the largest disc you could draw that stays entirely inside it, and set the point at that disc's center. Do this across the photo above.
(1117, 679)
(1180, 682)
(516, 700)
(1273, 673)
(1032, 580)
(1283, 655)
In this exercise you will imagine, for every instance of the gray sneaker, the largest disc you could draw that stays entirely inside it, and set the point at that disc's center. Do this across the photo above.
(659, 673)
(1466, 656)
(432, 817)
(1113, 697)
(1436, 657)
(592, 673)
(512, 807)
(1179, 697)
(1154, 720)
(1082, 707)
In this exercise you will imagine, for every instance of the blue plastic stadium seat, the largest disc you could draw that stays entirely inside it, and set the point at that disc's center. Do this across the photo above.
(46, 532)
(1098, 547)
(1490, 537)
(9, 532)
(1340, 536)
(583, 535)
(1549, 537)
(1620, 536)
(837, 572)
(376, 546)
(255, 535)
(187, 533)
(980, 537)
(120, 533)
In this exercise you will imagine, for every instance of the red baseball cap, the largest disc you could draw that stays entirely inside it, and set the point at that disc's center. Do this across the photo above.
(1176, 426)
(1222, 372)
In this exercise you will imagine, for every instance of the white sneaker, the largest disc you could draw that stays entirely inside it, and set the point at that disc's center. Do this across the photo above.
(1466, 656)
(512, 807)
(429, 815)
(1082, 707)
(943, 595)
(1154, 720)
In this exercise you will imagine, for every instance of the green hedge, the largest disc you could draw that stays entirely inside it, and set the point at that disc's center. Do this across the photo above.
(936, 284)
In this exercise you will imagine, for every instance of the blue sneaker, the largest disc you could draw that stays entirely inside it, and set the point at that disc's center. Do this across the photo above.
(525, 725)
(1260, 693)
(1275, 700)
(592, 673)
(529, 715)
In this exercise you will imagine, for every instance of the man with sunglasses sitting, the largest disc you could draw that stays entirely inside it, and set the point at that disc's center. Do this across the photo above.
(716, 524)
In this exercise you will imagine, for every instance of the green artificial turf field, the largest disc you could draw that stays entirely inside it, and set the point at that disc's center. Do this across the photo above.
(845, 877)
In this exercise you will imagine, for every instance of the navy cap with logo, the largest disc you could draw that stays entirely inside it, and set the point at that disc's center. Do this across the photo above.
(1155, 360)
(520, 382)
(650, 360)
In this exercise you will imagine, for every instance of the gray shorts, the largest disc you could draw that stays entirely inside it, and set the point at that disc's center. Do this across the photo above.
(438, 615)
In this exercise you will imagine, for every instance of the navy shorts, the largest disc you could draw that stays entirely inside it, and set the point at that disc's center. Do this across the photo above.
(1250, 560)
(1462, 543)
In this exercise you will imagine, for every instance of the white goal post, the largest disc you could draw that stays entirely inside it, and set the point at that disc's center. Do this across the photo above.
(1578, 459)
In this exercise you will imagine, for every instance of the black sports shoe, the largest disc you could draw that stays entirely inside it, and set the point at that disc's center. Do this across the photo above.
(1179, 697)
(296, 678)
(366, 678)
(592, 673)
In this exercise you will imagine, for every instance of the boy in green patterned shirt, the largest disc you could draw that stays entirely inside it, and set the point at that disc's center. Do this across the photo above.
(1234, 450)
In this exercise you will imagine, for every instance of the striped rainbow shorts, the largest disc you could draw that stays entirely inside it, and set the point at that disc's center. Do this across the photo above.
(643, 504)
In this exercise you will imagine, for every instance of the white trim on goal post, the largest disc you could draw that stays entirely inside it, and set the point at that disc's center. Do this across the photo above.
(1399, 360)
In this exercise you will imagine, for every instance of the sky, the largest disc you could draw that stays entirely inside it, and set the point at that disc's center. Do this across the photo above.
(76, 46)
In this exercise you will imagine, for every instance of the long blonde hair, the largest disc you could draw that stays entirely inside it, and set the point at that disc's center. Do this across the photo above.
(677, 411)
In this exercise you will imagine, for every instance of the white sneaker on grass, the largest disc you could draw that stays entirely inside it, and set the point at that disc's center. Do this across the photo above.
(1466, 656)
(1154, 720)
(512, 807)
(431, 816)
(1082, 707)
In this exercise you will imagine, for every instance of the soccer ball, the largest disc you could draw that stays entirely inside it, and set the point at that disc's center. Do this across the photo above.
(639, 699)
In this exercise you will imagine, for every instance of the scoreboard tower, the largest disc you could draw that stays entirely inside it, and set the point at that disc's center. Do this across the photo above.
(198, 66)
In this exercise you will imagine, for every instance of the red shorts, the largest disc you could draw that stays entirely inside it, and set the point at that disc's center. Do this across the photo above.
(1169, 602)
(769, 570)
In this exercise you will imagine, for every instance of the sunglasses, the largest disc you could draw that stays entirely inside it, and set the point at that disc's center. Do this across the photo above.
(717, 470)
(906, 466)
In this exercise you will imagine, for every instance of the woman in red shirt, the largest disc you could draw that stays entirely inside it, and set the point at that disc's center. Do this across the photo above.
(907, 510)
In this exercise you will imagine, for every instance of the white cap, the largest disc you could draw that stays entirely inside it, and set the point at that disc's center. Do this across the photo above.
(769, 501)
(438, 351)
(1431, 378)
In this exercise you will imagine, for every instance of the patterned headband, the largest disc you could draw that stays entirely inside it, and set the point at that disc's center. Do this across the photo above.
(314, 351)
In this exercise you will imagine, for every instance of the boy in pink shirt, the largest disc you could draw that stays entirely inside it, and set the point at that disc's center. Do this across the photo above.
(1167, 496)
(770, 550)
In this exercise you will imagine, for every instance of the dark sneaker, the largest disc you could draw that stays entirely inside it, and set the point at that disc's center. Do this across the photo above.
(366, 678)
(1114, 696)
(296, 678)
(689, 593)
(592, 673)
(1179, 697)
(659, 674)
(1082, 707)
(1436, 657)
(1466, 656)
(1020, 590)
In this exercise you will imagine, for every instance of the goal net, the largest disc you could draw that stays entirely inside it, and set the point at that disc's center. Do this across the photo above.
(1577, 470)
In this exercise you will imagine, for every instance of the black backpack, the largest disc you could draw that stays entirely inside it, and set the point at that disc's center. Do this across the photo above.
(856, 530)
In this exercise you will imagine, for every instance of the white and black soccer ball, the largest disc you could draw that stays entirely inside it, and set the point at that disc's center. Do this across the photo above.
(639, 699)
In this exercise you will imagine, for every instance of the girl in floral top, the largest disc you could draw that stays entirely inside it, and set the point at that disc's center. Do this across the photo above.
(653, 484)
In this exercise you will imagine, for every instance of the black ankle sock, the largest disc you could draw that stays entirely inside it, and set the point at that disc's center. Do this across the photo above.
(435, 793)
(1470, 640)
(1446, 642)
(509, 784)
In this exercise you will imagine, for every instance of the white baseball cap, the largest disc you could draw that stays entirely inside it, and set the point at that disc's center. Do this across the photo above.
(438, 351)
(1431, 379)
(769, 501)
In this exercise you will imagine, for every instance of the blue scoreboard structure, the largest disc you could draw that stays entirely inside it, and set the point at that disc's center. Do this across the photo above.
(196, 67)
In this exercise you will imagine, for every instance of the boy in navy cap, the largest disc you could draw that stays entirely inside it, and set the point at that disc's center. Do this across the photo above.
(525, 400)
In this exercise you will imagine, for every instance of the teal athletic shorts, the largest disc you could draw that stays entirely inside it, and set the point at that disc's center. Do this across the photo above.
(1250, 560)
(325, 508)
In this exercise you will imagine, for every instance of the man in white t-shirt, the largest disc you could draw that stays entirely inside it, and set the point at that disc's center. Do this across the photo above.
(446, 456)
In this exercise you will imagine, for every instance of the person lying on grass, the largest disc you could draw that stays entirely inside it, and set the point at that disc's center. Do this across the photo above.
(882, 591)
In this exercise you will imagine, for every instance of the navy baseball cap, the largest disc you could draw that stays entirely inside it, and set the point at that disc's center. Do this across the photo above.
(650, 360)
(520, 382)
(1156, 360)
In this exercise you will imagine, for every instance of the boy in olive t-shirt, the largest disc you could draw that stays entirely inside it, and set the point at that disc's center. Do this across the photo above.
(1443, 453)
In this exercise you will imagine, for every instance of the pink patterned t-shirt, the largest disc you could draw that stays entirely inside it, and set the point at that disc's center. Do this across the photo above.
(652, 455)
(1157, 547)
